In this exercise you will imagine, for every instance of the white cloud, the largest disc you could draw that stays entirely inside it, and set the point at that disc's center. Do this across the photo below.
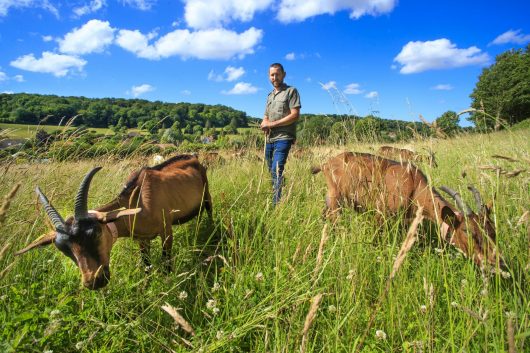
(242, 88)
(93, 36)
(230, 74)
(208, 44)
(8, 92)
(290, 56)
(5, 5)
(46, 38)
(141, 89)
(299, 10)
(353, 88)
(57, 64)
(186, 92)
(372, 94)
(442, 87)
(203, 14)
(329, 85)
(143, 5)
(91, 7)
(4, 77)
(437, 54)
(512, 36)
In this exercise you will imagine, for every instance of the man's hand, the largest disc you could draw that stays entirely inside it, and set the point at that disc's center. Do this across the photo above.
(265, 125)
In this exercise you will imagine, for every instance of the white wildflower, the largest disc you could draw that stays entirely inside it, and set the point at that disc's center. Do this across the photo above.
(219, 334)
(79, 345)
(423, 308)
(380, 335)
(216, 287)
(216, 310)
(48, 351)
(212, 303)
(54, 313)
(259, 277)
(438, 251)
(510, 314)
(350, 275)
(505, 274)
(454, 304)
(332, 308)
(183, 295)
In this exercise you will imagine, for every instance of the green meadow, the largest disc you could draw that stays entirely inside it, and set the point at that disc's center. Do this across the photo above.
(28, 131)
(262, 279)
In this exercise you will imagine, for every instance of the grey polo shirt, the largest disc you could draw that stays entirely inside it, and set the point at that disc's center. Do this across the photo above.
(279, 105)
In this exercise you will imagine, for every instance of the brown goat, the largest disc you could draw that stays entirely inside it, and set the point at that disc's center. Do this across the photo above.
(403, 154)
(155, 198)
(371, 182)
(211, 159)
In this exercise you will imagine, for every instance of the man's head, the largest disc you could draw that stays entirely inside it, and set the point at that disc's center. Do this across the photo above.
(276, 74)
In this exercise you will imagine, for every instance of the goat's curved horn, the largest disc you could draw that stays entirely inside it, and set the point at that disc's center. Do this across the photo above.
(477, 197)
(81, 199)
(53, 215)
(459, 202)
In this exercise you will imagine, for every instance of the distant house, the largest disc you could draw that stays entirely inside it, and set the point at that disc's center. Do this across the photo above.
(7, 143)
(207, 139)
(132, 134)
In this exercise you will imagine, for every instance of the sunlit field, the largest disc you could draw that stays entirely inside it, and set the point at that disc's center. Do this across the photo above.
(264, 279)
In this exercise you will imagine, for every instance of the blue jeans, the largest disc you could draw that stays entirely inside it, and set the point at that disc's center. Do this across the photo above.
(276, 155)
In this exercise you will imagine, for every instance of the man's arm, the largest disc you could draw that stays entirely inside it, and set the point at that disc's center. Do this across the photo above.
(286, 120)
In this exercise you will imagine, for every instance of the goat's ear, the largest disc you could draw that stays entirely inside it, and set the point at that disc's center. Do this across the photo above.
(449, 217)
(43, 240)
(106, 217)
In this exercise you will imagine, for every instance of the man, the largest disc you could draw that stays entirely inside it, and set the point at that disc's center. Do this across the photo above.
(279, 125)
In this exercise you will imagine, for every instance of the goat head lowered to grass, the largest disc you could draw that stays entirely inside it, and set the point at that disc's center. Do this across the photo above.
(172, 192)
(367, 181)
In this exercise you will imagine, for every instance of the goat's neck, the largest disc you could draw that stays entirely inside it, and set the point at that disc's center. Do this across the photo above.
(121, 225)
(432, 203)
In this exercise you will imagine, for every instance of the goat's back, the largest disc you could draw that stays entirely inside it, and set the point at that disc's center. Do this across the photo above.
(370, 181)
(169, 192)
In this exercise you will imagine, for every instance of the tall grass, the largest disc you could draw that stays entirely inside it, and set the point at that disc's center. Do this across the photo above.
(266, 279)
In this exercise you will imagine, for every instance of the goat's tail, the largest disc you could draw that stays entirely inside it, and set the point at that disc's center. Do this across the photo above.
(315, 170)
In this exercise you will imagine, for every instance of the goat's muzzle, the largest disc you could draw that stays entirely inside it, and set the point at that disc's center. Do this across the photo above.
(99, 280)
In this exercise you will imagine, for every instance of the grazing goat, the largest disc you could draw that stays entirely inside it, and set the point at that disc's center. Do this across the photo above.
(404, 154)
(154, 199)
(210, 159)
(371, 182)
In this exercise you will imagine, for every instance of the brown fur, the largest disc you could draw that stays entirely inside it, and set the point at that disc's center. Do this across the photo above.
(406, 155)
(369, 182)
(155, 198)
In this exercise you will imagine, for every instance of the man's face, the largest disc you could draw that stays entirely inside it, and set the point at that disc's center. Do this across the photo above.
(276, 76)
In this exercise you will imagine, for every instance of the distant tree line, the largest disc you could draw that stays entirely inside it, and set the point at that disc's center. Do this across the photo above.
(39, 109)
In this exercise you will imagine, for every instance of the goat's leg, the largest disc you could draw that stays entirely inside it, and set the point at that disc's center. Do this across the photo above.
(145, 249)
(332, 208)
(208, 205)
(167, 245)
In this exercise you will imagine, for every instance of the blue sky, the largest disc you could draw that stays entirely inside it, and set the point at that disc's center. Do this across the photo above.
(397, 59)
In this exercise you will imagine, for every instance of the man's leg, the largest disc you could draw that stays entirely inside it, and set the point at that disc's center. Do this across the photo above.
(281, 151)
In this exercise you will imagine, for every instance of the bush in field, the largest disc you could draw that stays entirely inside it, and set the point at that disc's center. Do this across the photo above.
(502, 94)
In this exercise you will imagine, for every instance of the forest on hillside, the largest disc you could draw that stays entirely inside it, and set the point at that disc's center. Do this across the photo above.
(36, 109)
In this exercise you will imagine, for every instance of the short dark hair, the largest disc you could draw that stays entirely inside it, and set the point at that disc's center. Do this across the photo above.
(277, 66)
